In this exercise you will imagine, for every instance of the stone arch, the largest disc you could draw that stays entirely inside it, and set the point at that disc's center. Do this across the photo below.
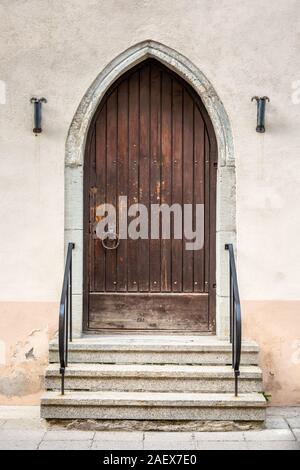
(75, 149)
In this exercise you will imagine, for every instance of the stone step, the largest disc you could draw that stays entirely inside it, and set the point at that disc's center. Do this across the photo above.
(149, 349)
(153, 406)
(155, 378)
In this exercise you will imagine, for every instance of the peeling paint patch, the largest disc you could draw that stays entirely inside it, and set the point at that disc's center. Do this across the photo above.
(29, 354)
(35, 347)
(2, 92)
(24, 373)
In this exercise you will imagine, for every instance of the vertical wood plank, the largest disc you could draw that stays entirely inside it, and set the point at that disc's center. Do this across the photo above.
(166, 175)
(155, 172)
(92, 211)
(188, 156)
(144, 162)
(199, 194)
(111, 182)
(212, 157)
(177, 169)
(207, 212)
(100, 192)
(133, 174)
(122, 176)
(88, 266)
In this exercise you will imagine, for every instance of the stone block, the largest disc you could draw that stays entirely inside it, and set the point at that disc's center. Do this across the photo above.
(269, 435)
(294, 422)
(65, 445)
(57, 435)
(276, 422)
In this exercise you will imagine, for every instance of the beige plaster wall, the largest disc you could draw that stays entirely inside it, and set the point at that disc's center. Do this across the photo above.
(275, 325)
(56, 49)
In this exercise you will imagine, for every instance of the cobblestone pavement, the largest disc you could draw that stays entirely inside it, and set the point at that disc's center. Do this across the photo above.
(22, 429)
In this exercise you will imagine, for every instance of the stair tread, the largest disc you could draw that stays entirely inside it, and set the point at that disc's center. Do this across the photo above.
(153, 370)
(113, 398)
(153, 343)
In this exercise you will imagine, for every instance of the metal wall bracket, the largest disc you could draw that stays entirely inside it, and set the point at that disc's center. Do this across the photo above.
(37, 102)
(261, 109)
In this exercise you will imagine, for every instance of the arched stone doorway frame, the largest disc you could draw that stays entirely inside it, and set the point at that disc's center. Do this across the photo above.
(226, 180)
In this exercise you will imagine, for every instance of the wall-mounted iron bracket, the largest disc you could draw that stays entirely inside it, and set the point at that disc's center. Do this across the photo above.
(261, 109)
(37, 102)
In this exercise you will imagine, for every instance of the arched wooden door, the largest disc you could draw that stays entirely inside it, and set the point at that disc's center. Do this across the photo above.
(152, 141)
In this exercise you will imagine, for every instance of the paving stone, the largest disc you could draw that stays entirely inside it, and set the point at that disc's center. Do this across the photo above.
(25, 424)
(168, 435)
(217, 445)
(118, 440)
(30, 432)
(68, 435)
(19, 436)
(21, 445)
(294, 422)
(65, 445)
(274, 445)
(19, 412)
(169, 440)
(165, 444)
(269, 435)
(219, 436)
(297, 433)
(284, 412)
(117, 445)
(276, 422)
(118, 436)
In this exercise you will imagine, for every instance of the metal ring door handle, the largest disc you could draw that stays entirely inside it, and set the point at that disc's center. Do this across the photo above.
(112, 237)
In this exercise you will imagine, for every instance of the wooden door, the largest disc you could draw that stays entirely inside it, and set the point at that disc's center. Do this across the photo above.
(152, 141)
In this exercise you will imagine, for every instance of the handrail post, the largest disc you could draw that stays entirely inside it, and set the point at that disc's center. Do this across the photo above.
(231, 302)
(67, 325)
(62, 372)
(71, 311)
(236, 381)
(65, 317)
(235, 317)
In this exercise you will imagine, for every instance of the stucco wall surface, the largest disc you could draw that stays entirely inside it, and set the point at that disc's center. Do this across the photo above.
(56, 49)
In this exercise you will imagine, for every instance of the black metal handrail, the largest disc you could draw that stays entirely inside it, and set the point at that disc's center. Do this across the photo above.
(235, 316)
(65, 317)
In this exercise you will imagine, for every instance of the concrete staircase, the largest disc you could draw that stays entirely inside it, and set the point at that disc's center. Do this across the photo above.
(150, 380)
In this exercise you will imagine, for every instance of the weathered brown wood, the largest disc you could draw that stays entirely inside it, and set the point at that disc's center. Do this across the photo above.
(149, 311)
(151, 140)
(133, 174)
(144, 164)
(99, 190)
(199, 194)
(92, 214)
(166, 175)
(213, 157)
(122, 180)
(177, 187)
(207, 173)
(188, 183)
(111, 180)
(155, 171)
